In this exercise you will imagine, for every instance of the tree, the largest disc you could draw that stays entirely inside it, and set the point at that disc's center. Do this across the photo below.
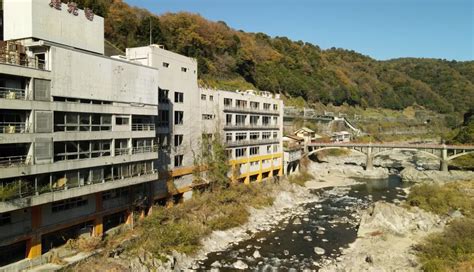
(212, 158)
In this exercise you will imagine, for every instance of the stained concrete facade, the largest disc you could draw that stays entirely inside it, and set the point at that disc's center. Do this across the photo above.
(25, 19)
(251, 126)
(86, 140)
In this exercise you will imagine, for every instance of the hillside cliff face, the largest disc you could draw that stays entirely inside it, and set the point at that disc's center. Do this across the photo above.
(233, 59)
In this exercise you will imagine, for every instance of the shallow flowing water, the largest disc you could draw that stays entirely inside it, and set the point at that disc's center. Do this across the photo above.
(308, 239)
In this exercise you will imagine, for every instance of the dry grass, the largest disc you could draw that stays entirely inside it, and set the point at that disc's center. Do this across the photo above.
(181, 227)
(453, 249)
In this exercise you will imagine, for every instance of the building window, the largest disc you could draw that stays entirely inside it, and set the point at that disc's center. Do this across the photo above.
(240, 152)
(178, 160)
(228, 102)
(178, 140)
(254, 105)
(178, 117)
(254, 135)
(266, 120)
(228, 137)
(114, 194)
(163, 96)
(178, 97)
(241, 136)
(184, 69)
(5, 219)
(162, 140)
(269, 149)
(275, 135)
(254, 150)
(275, 120)
(275, 148)
(166, 65)
(228, 119)
(254, 120)
(266, 135)
(241, 103)
(203, 97)
(275, 107)
(211, 98)
(122, 120)
(240, 119)
(163, 118)
(68, 204)
(207, 117)
(266, 106)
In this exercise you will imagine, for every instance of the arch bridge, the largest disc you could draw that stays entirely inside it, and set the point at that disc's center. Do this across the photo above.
(443, 153)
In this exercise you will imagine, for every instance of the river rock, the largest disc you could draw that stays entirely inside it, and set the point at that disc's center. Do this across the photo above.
(216, 264)
(240, 265)
(256, 254)
(319, 251)
(413, 175)
(297, 221)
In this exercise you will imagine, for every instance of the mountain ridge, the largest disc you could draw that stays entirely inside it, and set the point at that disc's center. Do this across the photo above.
(234, 59)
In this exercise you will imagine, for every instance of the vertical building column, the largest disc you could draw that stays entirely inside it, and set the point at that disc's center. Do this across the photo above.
(260, 174)
(98, 219)
(33, 246)
(129, 220)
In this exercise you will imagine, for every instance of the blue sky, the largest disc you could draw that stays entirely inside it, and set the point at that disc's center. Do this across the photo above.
(382, 29)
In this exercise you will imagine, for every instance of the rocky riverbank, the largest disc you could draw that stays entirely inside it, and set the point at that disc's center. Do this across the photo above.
(386, 235)
(288, 202)
(410, 174)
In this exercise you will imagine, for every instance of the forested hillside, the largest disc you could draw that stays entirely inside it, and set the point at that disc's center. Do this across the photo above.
(233, 59)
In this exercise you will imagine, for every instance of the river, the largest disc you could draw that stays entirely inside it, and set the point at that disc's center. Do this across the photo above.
(328, 224)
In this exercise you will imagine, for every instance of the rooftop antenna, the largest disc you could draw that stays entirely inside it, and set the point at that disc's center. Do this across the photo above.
(151, 38)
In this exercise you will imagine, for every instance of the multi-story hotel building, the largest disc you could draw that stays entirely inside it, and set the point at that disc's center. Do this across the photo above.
(251, 125)
(77, 129)
(88, 142)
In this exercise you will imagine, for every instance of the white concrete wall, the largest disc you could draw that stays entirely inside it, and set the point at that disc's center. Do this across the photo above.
(88, 76)
(36, 19)
(172, 78)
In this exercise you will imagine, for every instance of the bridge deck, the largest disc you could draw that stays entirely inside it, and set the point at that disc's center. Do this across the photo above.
(394, 145)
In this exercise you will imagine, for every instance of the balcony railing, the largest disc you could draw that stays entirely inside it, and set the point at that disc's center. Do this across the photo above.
(23, 61)
(252, 142)
(12, 93)
(143, 127)
(250, 110)
(14, 161)
(144, 149)
(135, 150)
(13, 127)
(250, 126)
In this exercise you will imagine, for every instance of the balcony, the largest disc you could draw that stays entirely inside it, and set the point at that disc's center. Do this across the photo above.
(228, 108)
(12, 93)
(12, 161)
(250, 126)
(13, 127)
(252, 142)
(135, 150)
(143, 127)
(15, 54)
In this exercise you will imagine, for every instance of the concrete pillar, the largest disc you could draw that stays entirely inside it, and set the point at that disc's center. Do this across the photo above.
(369, 165)
(444, 160)
(33, 246)
(129, 220)
(98, 226)
(260, 174)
